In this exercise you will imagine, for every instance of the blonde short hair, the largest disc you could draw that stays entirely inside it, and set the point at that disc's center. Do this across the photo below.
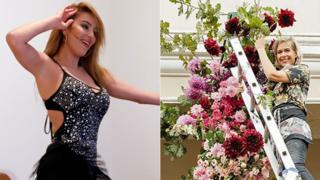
(294, 46)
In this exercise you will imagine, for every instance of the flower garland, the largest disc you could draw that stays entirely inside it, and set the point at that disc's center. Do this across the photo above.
(212, 109)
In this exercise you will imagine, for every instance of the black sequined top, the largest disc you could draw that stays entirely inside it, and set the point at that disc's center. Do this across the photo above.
(83, 110)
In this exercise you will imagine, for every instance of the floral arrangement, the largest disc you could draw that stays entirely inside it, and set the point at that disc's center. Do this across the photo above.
(212, 109)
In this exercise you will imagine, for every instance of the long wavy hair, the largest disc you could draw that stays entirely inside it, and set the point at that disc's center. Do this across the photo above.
(90, 62)
(294, 45)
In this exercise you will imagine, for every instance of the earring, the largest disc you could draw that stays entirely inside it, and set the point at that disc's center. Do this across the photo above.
(65, 39)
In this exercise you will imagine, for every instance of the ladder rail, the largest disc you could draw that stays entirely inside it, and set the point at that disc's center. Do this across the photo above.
(258, 125)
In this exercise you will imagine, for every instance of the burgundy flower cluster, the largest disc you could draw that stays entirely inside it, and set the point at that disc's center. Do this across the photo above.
(270, 21)
(212, 47)
(285, 19)
(233, 26)
(252, 56)
(235, 146)
(254, 140)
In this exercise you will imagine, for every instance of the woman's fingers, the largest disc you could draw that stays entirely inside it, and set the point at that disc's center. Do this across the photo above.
(68, 14)
(70, 21)
(71, 6)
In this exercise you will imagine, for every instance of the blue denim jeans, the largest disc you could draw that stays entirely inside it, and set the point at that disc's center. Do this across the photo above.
(298, 151)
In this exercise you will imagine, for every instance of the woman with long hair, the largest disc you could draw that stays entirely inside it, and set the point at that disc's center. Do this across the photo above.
(74, 87)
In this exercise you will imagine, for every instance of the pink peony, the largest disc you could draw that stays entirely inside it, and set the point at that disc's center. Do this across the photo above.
(217, 150)
(196, 82)
(193, 93)
(194, 66)
(196, 110)
(215, 66)
(186, 120)
(240, 116)
(231, 91)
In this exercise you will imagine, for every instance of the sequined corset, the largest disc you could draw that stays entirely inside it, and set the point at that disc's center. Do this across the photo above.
(83, 110)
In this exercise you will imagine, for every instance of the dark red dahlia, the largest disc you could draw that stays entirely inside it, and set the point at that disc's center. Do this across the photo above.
(286, 18)
(232, 61)
(270, 21)
(205, 102)
(254, 140)
(212, 47)
(234, 146)
(233, 26)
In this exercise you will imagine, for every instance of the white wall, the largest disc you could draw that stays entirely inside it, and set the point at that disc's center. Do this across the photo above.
(129, 135)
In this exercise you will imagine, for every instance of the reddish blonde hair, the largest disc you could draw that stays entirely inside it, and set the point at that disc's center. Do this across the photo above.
(90, 62)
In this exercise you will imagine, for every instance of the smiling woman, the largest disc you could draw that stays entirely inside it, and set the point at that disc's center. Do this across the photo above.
(289, 81)
(75, 89)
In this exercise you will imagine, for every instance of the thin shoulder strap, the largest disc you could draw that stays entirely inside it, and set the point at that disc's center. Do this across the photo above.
(55, 61)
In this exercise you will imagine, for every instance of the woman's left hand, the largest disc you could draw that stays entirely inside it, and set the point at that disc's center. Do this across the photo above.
(260, 44)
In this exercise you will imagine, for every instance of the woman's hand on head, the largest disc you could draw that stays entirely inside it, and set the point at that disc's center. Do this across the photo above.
(62, 20)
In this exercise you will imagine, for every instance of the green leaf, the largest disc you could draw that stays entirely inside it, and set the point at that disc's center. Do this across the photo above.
(255, 22)
(164, 27)
(183, 100)
(180, 10)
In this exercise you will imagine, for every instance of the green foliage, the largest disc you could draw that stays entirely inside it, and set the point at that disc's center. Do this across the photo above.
(189, 176)
(174, 149)
(166, 47)
(185, 45)
(182, 43)
(184, 102)
(173, 144)
(267, 99)
(168, 117)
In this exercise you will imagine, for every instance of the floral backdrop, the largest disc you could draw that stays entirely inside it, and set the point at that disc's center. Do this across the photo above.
(211, 108)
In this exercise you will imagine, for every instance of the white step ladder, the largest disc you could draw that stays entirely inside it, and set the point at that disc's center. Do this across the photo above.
(252, 103)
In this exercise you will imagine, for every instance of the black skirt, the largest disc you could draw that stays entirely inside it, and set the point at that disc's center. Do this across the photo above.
(61, 163)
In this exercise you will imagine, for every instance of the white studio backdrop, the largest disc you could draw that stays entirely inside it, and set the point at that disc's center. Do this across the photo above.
(129, 134)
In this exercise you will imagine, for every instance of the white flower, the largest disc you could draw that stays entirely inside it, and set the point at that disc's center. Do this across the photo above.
(243, 165)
